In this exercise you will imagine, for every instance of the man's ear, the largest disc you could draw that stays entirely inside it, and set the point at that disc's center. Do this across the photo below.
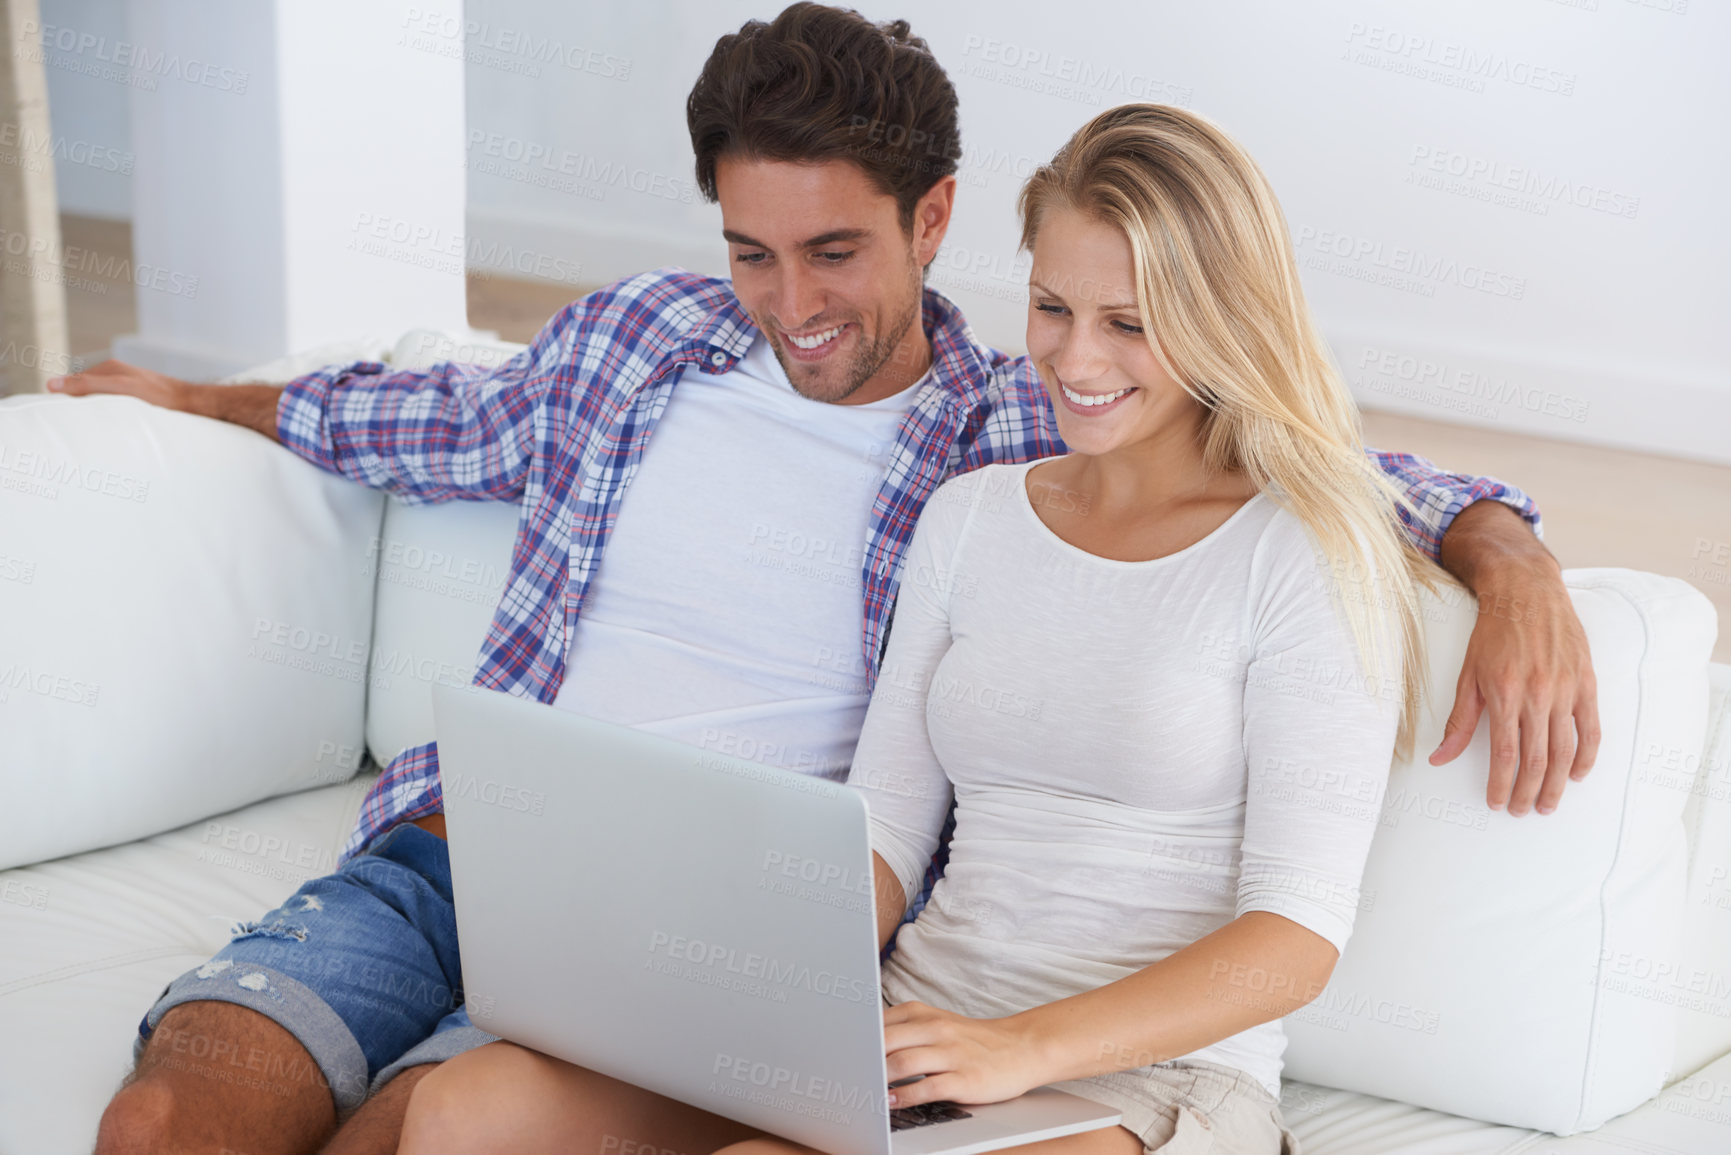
(932, 219)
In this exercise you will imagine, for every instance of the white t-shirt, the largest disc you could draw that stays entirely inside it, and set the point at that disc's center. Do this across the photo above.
(1139, 752)
(726, 609)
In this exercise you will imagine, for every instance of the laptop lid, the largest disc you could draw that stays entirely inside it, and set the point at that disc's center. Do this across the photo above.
(723, 907)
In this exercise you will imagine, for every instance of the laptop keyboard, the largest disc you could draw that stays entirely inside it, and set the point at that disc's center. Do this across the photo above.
(924, 1115)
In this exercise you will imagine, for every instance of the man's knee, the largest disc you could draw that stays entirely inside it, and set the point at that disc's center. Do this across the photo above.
(209, 1067)
(137, 1119)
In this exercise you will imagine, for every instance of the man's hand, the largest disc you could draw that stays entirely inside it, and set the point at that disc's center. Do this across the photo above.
(252, 406)
(129, 380)
(1526, 666)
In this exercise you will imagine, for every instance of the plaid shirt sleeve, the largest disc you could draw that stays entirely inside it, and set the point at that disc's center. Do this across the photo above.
(453, 432)
(1438, 496)
(407, 789)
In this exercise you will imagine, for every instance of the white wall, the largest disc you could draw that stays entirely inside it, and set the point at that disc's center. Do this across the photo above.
(299, 178)
(92, 130)
(1509, 211)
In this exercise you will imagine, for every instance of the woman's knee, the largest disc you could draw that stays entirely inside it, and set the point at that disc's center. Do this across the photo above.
(469, 1103)
(766, 1146)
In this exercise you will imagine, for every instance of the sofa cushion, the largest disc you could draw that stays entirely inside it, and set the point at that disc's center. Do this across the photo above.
(87, 943)
(1509, 969)
(1690, 1117)
(440, 571)
(185, 611)
(1701, 982)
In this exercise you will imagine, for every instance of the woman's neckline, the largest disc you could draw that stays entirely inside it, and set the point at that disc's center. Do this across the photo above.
(1026, 502)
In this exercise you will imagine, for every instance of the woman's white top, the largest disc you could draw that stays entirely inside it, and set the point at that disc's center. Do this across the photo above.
(1139, 752)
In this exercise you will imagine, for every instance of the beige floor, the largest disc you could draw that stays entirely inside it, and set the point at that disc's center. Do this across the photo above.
(1603, 507)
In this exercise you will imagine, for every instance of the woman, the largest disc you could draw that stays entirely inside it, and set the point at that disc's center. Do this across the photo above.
(1205, 622)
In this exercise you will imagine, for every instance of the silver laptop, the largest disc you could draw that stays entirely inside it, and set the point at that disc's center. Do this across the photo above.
(691, 923)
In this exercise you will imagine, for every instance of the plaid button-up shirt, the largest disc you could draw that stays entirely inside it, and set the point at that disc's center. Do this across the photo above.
(562, 426)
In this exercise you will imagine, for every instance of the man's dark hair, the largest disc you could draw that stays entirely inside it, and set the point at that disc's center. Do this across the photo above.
(820, 83)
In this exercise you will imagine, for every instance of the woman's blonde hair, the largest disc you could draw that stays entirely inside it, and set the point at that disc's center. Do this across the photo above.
(1218, 289)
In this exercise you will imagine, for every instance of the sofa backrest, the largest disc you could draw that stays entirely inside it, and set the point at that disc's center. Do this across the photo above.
(1699, 982)
(209, 595)
(184, 618)
(1516, 969)
(440, 571)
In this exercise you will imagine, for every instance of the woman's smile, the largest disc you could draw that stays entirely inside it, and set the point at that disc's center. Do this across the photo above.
(1092, 404)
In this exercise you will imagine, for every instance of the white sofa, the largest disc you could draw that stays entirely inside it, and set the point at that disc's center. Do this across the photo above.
(88, 939)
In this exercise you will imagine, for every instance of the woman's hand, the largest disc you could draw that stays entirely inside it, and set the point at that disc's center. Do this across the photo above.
(963, 1060)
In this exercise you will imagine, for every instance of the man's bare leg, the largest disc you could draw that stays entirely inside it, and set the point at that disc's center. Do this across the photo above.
(216, 1075)
(378, 1125)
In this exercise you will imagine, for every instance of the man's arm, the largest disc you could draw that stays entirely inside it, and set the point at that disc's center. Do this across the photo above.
(1527, 665)
(253, 406)
(451, 432)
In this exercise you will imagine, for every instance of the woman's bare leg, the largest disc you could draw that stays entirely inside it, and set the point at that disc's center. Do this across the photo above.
(506, 1098)
(1106, 1141)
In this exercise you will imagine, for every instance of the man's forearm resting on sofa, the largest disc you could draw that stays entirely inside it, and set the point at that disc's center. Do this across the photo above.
(252, 406)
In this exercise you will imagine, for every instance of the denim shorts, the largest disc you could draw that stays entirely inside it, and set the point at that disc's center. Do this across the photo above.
(360, 966)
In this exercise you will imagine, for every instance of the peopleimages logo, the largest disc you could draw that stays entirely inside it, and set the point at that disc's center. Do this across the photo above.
(131, 63)
(750, 965)
(53, 472)
(1066, 77)
(812, 870)
(74, 260)
(1426, 57)
(61, 687)
(588, 174)
(31, 146)
(505, 47)
(793, 1091)
(491, 793)
(1467, 384)
(1515, 186)
(1423, 267)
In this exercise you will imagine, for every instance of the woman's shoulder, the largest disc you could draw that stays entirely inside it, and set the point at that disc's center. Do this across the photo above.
(991, 480)
(1297, 584)
(1289, 546)
(1287, 553)
(1284, 537)
(988, 489)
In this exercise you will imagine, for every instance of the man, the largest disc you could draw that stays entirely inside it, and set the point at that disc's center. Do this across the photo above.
(718, 481)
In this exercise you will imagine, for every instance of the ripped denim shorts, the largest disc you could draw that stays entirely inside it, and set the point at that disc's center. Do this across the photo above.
(360, 966)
